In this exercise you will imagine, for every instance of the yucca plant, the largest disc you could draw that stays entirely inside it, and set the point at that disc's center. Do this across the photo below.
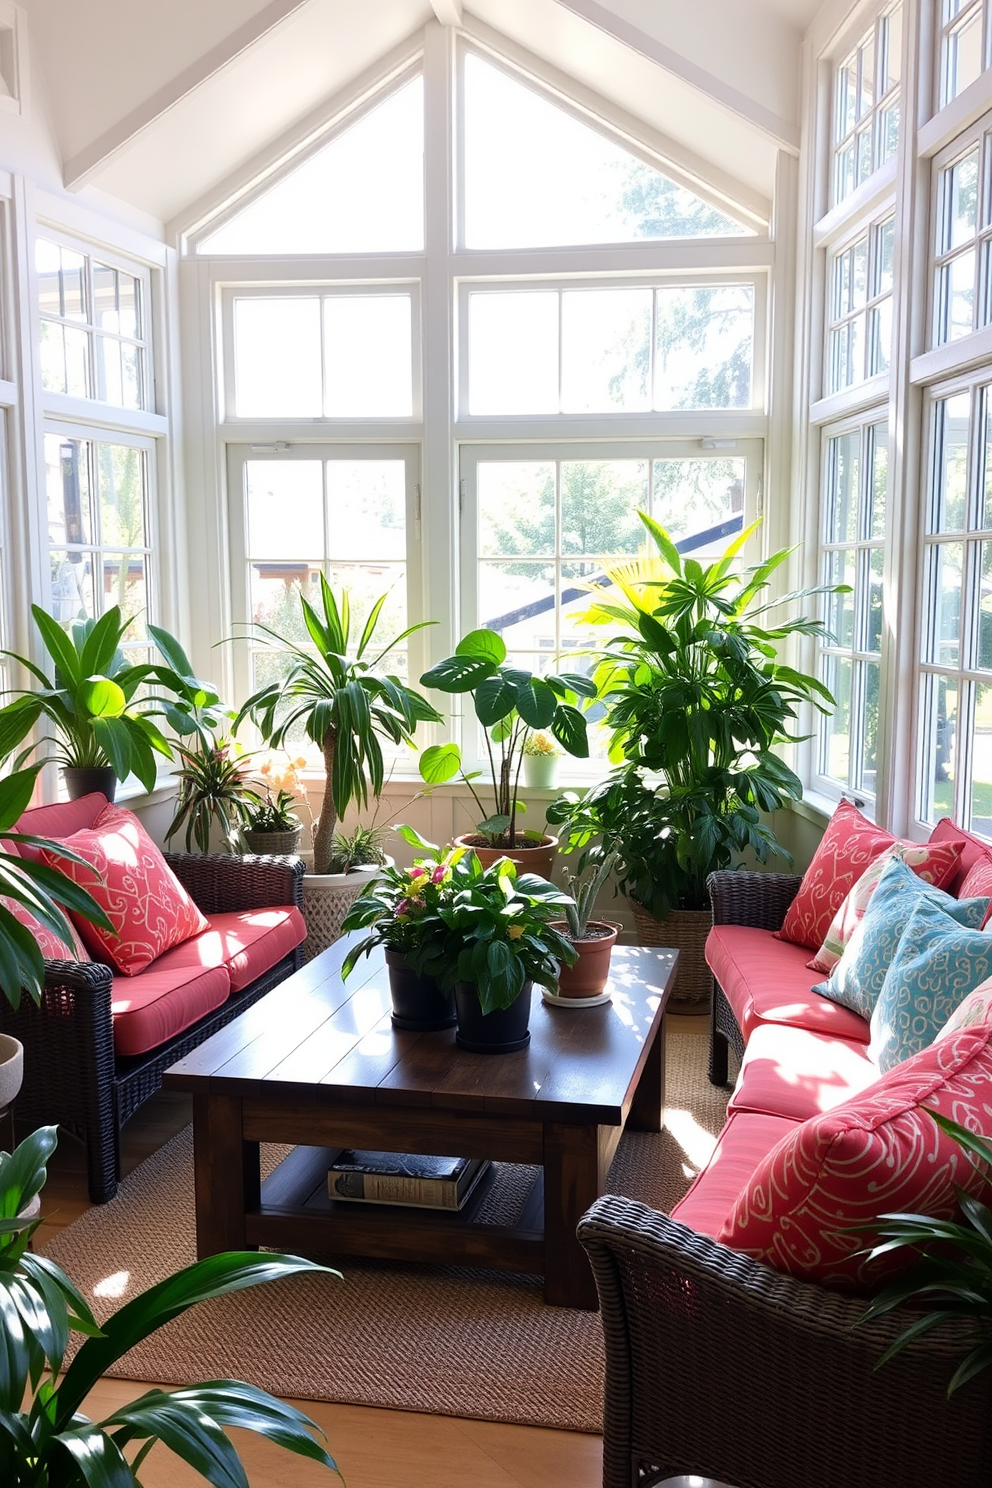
(91, 700)
(953, 1278)
(346, 703)
(45, 1440)
(39, 888)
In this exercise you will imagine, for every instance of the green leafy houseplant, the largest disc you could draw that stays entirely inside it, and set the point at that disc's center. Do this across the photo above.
(214, 788)
(346, 702)
(509, 703)
(272, 814)
(491, 928)
(400, 907)
(89, 700)
(953, 1278)
(697, 705)
(45, 1441)
(39, 888)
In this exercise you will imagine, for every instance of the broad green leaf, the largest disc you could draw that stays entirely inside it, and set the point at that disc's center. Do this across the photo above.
(485, 645)
(102, 697)
(461, 673)
(440, 763)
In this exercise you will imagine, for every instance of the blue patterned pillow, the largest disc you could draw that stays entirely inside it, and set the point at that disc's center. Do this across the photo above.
(856, 980)
(936, 964)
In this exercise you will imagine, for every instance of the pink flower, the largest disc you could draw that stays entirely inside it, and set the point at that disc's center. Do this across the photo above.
(439, 875)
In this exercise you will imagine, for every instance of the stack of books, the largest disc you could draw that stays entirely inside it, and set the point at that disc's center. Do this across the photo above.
(404, 1178)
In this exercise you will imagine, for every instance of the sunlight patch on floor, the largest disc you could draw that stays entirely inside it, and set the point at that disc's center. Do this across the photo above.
(696, 1142)
(112, 1286)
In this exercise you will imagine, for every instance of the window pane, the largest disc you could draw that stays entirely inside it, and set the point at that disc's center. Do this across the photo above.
(892, 30)
(843, 484)
(876, 568)
(961, 296)
(985, 610)
(987, 491)
(882, 267)
(285, 508)
(960, 203)
(368, 356)
(868, 764)
(878, 489)
(840, 607)
(535, 176)
(362, 193)
(67, 479)
(963, 57)
(516, 508)
(940, 745)
(518, 601)
(513, 353)
(880, 333)
(693, 495)
(125, 584)
(277, 362)
(981, 763)
(836, 736)
(703, 354)
(599, 504)
(71, 585)
(867, 93)
(951, 458)
(115, 300)
(122, 495)
(847, 98)
(605, 349)
(947, 560)
(366, 503)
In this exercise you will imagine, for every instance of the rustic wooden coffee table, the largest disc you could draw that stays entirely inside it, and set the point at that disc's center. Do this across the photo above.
(318, 1064)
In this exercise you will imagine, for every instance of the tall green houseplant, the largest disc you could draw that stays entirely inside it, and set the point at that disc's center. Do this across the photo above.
(345, 700)
(698, 703)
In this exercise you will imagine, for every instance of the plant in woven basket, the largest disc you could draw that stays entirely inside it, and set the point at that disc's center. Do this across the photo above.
(45, 1440)
(697, 704)
(345, 701)
(952, 1279)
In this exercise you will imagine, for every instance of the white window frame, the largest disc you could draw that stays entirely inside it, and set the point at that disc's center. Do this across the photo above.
(947, 89)
(876, 33)
(874, 299)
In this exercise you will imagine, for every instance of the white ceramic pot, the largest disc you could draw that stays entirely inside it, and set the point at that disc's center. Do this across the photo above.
(11, 1069)
(327, 898)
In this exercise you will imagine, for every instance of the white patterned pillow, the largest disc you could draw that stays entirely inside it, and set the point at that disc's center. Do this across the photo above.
(935, 863)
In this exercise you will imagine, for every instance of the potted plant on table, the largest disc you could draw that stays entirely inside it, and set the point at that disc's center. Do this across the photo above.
(347, 702)
(585, 979)
(44, 1438)
(697, 705)
(509, 703)
(103, 731)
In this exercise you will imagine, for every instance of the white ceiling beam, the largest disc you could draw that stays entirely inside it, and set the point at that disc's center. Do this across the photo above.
(448, 12)
(781, 130)
(93, 155)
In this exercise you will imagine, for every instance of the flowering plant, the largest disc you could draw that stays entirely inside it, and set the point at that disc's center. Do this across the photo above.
(459, 922)
(277, 812)
(543, 745)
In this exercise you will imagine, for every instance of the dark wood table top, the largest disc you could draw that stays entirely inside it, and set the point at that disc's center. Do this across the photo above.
(318, 1034)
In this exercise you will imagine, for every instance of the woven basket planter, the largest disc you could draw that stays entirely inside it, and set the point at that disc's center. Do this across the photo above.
(327, 898)
(684, 930)
(266, 843)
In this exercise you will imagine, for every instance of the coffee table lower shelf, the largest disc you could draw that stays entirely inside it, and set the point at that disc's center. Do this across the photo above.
(296, 1214)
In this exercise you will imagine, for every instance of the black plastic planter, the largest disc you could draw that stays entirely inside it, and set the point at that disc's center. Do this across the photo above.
(418, 1002)
(499, 1032)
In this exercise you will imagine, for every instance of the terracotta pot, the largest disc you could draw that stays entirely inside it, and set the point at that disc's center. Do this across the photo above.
(538, 859)
(418, 1002)
(81, 781)
(591, 972)
(499, 1032)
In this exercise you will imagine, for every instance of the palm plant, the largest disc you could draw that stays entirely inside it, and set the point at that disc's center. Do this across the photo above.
(45, 1441)
(40, 889)
(346, 703)
(90, 699)
(953, 1277)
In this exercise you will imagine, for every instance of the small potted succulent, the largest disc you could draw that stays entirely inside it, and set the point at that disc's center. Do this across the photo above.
(541, 755)
(495, 939)
(593, 940)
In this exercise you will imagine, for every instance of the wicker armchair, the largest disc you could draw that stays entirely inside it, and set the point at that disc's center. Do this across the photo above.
(71, 1074)
(758, 899)
(718, 1366)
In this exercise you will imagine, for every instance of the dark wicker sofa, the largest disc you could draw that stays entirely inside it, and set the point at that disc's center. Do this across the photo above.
(718, 1365)
(72, 1076)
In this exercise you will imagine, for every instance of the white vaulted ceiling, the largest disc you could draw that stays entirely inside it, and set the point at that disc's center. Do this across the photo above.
(161, 104)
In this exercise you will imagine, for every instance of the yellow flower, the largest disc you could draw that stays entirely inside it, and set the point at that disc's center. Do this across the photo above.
(514, 932)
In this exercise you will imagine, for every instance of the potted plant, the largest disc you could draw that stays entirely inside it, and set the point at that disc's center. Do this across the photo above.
(271, 820)
(494, 939)
(697, 704)
(509, 703)
(400, 910)
(585, 979)
(214, 791)
(541, 755)
(103, 733)
(347, 702)
(40, 890)
(45, 1439)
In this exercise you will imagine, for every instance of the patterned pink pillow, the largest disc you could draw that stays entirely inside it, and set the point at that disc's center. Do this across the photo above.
(973, 1012)
(936, 863)
(848, 845)
(51, 947)
(131, 881)
(878, 1153)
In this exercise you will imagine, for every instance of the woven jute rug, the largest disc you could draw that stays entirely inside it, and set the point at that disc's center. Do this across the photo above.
(445, 1340)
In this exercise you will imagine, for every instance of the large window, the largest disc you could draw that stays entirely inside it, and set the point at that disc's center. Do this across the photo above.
(859, 335)
(964, 46)
(94, 327)
(866, 104)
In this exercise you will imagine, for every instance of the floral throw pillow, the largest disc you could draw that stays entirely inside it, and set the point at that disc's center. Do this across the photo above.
(936, 863)
(131, 881)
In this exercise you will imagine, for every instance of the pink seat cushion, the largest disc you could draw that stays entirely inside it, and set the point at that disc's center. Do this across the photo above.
(878, 1153)
(767, 981)
(168, 997)
(131, 881)
(744, 1142)
(797, 1073)
(60, 819)
(248, 941)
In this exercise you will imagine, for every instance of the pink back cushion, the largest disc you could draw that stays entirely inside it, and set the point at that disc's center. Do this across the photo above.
(975, 865)
(878, 1153)
(848, 845)
(51, 947)
(131, 881)
(60, 820)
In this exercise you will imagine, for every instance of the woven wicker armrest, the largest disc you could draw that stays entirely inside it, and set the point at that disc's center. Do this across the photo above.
(747, 898)
(719, 1366)
(219, 881)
